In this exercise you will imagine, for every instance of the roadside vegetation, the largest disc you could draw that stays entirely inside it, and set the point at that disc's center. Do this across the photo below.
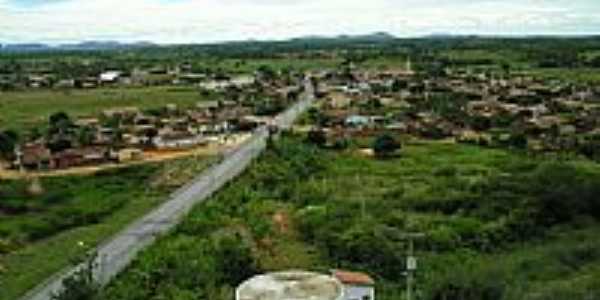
(48, 223)
(499, 225)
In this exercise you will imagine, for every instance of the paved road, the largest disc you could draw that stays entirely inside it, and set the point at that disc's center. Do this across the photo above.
(116, 254)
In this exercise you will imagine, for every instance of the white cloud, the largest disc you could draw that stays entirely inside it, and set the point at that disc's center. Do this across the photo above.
(186, 21)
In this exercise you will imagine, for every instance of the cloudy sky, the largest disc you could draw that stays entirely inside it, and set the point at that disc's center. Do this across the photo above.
(200, 21)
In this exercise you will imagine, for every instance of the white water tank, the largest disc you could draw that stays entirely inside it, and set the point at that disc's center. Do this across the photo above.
(291, 285)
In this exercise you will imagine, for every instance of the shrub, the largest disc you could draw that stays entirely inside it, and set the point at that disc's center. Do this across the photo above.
(385, 145)
(80, 285)
(447, 171)
(317, 137)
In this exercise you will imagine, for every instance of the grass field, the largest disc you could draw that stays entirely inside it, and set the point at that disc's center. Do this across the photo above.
(25, 109)
(251, 65)
(300, 207)
(40, 235)
(580, 75)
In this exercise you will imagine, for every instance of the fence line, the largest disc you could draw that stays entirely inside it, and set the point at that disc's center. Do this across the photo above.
(115, 254)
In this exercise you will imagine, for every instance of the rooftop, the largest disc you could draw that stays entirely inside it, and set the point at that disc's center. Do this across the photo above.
(290, 285)
(353, 278)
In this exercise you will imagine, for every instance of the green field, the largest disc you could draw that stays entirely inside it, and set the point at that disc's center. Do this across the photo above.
(25, 109)
(41, 234)
(579, 75)
(249, 66)
(498, 225)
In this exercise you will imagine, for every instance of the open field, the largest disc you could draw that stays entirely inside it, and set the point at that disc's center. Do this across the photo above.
(41, 234)
(28, 108)
(251, 65)
(579, 75)
(488, 232)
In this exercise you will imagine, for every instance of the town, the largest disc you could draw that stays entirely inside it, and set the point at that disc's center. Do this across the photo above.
(347, 168)
(496, 110)
(128, 134)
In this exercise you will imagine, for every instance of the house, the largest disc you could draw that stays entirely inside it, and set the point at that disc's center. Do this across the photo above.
(38, 81)
(357, 286)
(65, 83)
(109, 77)
(129, 154)
(66, 159)
(34, 155)
(78, 157)
(242, 80)
(357, 121)
(207, 108)
(190, 78)
(398, 127)
(86, 83)
(339, 100)
(177, 141)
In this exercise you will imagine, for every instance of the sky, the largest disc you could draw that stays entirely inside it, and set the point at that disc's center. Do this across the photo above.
(208, 21)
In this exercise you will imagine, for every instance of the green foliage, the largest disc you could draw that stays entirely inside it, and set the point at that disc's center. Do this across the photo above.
(562, 193)
(482, 211)
(317, 137)
(385, 145)
(8, 141)
(80, 285)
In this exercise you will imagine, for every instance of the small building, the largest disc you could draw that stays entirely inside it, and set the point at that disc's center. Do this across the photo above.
(110, 77)
(178, 141)
(357, 121)
(129, 154)
(67, 159)
(357, 286)
(34, 155)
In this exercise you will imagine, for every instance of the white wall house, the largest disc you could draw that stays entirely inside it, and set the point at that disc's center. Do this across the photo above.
(110, 76)
(357, 286)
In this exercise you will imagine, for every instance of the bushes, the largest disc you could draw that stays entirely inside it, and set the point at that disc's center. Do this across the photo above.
(561, 193)
(187, 266)
(70, 202)
(80, 285)
(385, 145)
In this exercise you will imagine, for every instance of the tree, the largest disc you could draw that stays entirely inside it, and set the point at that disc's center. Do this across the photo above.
(8, 142)
(317, 137)
(60, 123)
(80, 285)
(518, 141)
(385, 145)
(235, 260)
(86, 136)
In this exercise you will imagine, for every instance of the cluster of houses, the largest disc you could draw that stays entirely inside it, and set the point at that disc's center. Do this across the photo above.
(467, 106)
(123, 134)
(177, 74)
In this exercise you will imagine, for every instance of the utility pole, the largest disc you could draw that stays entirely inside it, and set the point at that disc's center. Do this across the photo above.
(411, 263)
(411, 260)
(363, 204)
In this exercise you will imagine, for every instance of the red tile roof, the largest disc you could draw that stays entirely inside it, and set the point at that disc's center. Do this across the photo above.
(353, 278)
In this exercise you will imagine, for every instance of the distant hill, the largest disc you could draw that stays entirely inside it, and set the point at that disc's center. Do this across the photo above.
(83, 46)
(377, 36)
(114, 45)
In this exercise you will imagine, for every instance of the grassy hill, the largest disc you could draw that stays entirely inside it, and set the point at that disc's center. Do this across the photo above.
(43, 233)
(498, 225)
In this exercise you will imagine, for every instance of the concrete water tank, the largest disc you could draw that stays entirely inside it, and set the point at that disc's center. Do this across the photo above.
(291, 285)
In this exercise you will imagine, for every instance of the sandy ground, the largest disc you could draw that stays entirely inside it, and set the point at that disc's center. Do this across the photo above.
(213, 148)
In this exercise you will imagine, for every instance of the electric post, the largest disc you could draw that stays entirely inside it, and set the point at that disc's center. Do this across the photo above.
(411, 263)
